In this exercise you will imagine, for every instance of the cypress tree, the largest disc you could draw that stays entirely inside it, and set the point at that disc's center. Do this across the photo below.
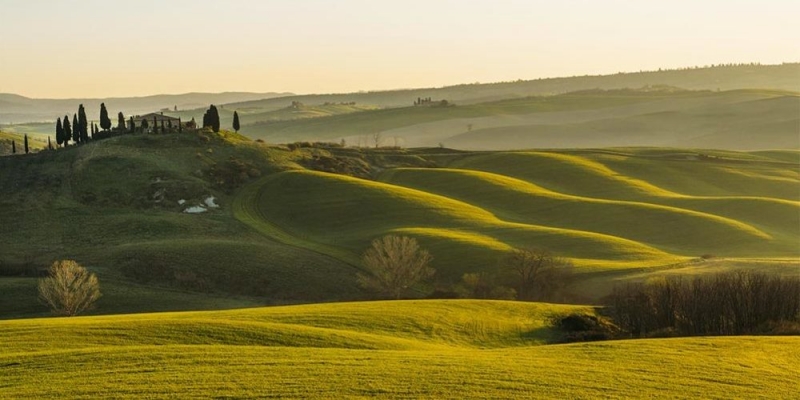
(155, 125)
(76, 129)
(236, 125)
(214, 119)
(120, 122)
(162, 126)
(169, 125)
(84, 135)
(67, 131)
(105, 123)
(144, 125)
(26, 144)
(84, 123)
(211, 118)
(49, 143)
(180, 125)
(59, 133)
(133, 126)
(13, 147)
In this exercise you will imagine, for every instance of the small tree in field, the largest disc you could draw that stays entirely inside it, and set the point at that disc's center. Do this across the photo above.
(69, 288)
(395, 264)
(539, 275)
(236, 124)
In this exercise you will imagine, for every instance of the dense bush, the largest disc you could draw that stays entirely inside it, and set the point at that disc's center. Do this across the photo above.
(577, 327)
(731, 303)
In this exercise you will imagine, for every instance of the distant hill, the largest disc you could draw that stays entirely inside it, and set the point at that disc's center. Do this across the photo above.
(736, 119)
(778, 77)
(19, 109)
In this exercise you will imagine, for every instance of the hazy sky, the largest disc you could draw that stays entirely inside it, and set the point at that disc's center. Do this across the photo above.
(57, 48)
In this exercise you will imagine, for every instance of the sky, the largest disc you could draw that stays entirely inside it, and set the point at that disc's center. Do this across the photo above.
(88, 48)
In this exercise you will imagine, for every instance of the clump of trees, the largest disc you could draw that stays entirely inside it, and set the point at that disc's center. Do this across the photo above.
(211, 118)
(730, 303)
(395, 264)
(69, 288)
(483, 285)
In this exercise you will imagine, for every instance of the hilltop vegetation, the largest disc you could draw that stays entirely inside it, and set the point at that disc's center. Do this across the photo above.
(293, 220)
(442, 349)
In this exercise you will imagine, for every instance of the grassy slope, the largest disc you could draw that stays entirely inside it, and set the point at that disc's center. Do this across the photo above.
(34, 143)
(94, 204)
(296, 235)
(442, 349)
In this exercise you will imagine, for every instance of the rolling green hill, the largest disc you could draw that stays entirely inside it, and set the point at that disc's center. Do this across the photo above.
(292, 223)
(441, 349)
(6, 138)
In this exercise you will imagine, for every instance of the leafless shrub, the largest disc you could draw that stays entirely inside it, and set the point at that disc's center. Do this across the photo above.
(395, 264)
(69, 289)
(538, 274)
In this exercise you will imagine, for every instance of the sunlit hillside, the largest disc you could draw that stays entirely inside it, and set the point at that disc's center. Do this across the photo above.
(292, 223)
(442, 349)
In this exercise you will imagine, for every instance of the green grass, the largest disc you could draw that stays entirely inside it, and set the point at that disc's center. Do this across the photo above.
(290, 234)
(419, 349)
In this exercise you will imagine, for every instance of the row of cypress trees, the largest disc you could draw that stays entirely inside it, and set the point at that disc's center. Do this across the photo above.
(79, 130)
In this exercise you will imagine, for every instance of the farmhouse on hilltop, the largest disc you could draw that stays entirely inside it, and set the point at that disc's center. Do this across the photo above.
(157, 117)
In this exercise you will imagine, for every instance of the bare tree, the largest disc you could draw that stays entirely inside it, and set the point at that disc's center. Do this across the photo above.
(539, 275)
(377, 137)
(69, 289)
(395, 264)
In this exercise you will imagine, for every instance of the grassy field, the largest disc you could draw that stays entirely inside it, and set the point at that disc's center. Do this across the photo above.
(35, 142)
(408, 349)
(288, 232)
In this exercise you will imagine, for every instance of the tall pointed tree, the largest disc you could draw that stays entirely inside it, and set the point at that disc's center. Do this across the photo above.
(120, 122)
(84, 123)
(13, 147)
(49, 143)
(155, 125)
(132, 126)
(236, 125)
(105, 122)
(59, 133)
(67, 131)
(26, 144)
(214, 119)
(76, 129)
(180, 125)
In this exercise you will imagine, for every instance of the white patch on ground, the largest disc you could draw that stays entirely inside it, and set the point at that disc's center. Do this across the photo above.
(181, 202)
(211, 202)
(195, 210)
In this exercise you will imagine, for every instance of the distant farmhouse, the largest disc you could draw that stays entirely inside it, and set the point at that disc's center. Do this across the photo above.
(157, 119)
